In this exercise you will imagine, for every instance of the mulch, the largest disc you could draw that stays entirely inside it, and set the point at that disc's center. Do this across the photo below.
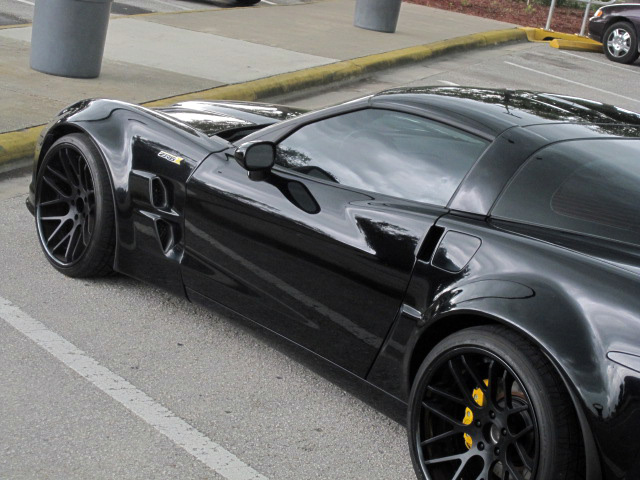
(566, 20)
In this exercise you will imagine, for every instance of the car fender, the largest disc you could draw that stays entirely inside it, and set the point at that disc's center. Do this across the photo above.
(142, 150)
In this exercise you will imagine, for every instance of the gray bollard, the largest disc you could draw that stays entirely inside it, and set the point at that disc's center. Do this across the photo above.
(68, 37)
(379, 15)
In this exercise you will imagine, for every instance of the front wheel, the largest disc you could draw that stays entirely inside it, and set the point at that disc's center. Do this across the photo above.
(486, 404)
(74, 208)
(621, 43)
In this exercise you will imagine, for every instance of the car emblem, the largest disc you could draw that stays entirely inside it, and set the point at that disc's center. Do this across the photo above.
(172, 158)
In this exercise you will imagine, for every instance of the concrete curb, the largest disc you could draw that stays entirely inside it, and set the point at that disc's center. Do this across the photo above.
(17, 145)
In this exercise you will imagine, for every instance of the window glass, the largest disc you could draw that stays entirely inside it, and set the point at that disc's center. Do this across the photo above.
(383, 151)
(584, 186)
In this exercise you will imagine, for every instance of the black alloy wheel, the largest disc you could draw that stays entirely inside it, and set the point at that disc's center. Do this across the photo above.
(621, 43)
(486, 405)
(74, 208)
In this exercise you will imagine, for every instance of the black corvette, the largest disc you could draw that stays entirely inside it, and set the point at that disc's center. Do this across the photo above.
(473, 253)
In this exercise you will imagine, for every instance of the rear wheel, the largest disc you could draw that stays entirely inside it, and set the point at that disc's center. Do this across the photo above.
(487, 405)
(621, 43)
(74, 208)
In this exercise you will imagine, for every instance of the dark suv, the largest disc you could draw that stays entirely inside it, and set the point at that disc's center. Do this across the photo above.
(617, 27)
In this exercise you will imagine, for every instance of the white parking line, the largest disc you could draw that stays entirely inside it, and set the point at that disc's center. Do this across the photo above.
(572, 81)
(608, 64)
(447, 82)
(160, 418)
(26, 2)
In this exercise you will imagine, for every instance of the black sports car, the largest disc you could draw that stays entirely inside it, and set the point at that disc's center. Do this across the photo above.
(473, 253)
(617, 27)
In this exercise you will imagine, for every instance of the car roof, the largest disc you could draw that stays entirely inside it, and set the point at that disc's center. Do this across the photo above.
(495, 110)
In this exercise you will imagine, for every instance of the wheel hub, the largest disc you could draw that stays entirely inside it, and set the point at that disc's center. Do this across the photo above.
(619, 42)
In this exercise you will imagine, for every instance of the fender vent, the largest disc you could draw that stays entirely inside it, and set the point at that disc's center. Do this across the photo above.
(158, 193)
(165, 234)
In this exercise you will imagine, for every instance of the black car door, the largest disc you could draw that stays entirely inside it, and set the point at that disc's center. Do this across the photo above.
(322, 249)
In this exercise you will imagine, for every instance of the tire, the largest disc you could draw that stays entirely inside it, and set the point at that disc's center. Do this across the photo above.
(246, 3)
(485, 400)
(74, 208)
(620, 43)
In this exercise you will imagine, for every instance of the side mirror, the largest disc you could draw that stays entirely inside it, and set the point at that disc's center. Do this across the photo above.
(256, 156)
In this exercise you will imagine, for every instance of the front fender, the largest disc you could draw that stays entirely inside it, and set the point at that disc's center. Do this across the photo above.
(138, 145)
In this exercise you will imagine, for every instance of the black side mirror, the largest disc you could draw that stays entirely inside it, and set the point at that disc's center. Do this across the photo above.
(256, 156)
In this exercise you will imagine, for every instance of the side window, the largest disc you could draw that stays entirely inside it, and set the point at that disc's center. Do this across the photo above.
(582, 186)
(383, 151)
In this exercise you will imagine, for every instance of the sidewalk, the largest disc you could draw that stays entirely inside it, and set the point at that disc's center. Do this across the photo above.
(155, 56)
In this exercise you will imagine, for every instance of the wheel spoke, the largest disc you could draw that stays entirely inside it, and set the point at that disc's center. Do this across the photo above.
(62, 241)
(55, 232)
(463, 388)
(512, 472)
(442, 436)
(446, 395)
(55, 201)
(442, 415)
(67, 164)
(55, 187)
(523, 432)
(479, 383)
(526, 459)
(514, 410)
(59, 175)
(492, 376)
(74, 243)
(58, 217)
(451, 458)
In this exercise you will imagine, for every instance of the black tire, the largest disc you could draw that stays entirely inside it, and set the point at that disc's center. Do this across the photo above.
(620, 43)
(74, 208)
(246, 3)
(491, 401)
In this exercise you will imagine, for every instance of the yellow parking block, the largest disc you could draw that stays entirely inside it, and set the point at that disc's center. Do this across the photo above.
(576, 45)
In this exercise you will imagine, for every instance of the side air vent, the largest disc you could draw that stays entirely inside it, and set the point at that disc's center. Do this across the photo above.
(158, 193)
(165, 234)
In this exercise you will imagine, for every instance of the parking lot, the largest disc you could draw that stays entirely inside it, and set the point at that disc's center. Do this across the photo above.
(276, 409)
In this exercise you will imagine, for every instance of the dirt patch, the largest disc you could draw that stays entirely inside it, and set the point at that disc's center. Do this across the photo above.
(565, 19)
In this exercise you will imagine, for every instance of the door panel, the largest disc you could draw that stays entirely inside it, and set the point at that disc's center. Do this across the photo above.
(321, 264)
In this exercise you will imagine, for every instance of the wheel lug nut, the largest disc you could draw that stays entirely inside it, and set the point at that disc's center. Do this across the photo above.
(478, 424)
(497, 451)
(492, 414)
(504, 432)
(480, 446)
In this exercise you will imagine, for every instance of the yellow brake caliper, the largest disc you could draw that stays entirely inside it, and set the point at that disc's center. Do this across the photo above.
(478, 397)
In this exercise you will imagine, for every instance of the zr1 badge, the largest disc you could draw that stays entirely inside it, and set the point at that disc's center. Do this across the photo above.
(172, 158)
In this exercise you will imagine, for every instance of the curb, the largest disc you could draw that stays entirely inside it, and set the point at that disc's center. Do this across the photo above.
(20, 144)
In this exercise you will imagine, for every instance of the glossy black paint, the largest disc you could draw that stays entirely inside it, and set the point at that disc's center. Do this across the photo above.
(629, 12)
(371, 282)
